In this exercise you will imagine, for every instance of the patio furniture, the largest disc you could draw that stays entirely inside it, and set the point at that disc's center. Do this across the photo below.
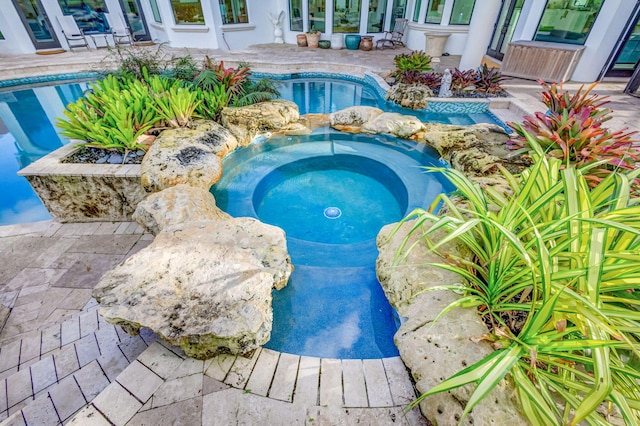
(74, 36)
(393, 38)
(119, 30)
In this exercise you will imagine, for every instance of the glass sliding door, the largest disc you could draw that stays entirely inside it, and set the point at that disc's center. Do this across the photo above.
(135, 19)
(568, 21)
(346, 16)
(503, 31)
(375, 20)
(398, 9)
(37, 23)
(317, 14)
(629, 55)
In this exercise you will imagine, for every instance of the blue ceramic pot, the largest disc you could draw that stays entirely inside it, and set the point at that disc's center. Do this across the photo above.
(352, 41)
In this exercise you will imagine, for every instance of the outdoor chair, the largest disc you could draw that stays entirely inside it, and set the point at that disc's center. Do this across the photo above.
(119, 30)
(74, 36)
(393, 38)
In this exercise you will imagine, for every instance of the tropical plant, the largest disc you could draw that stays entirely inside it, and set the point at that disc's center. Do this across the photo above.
(255, 91)
(414, 61)
(463, 81)
(177, 105)
(112, 115)
(554, 271)
(430, 79)
(489, 80)
(572, 131)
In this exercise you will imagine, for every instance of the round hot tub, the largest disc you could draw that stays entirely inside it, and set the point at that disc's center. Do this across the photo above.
(331, 193)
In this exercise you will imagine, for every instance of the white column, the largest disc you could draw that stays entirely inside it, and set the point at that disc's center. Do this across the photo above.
(483, 20)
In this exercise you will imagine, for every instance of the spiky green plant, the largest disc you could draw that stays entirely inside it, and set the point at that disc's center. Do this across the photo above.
(568, 259)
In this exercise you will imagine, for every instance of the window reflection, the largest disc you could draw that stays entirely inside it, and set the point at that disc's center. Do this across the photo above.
(461, 13)
(155, 11)
(234, 11)
(88, 14)
(317, 15)
(295, 15)
(187, 12)
(568, 21)
(399, 6)
(434, 11)
(346, 17)
(375, 21)
(416, 11)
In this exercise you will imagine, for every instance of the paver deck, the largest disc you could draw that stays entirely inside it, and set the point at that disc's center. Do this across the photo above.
(61, 363)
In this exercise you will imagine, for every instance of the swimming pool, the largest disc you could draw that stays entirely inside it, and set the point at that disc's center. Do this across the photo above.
(331, 193)
(28, 132)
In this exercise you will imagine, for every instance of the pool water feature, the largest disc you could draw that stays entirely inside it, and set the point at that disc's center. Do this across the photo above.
(28, 131)
(331, 193)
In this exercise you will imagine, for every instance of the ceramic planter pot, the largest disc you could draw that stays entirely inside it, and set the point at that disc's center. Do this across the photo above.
(352, 41)
(366, 43)
(302, 40)
(324, 44)
(313, 39)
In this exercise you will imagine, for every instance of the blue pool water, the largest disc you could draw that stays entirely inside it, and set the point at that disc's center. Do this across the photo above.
(28, 132)
(331, 193)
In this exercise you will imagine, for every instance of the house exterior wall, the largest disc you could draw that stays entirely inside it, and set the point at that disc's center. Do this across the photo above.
(607, 29)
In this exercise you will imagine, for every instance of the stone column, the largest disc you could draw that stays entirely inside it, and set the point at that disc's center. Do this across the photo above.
(483, 20)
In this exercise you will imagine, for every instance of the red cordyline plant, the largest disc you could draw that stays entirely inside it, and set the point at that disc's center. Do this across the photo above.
(572, 131)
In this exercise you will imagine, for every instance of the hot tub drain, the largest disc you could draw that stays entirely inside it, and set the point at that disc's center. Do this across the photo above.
(332, 212)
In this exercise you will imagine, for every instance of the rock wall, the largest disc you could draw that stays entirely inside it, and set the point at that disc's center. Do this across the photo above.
(87, 198)
(436, 349)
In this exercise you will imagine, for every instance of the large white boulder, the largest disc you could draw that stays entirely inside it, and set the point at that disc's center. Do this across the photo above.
(203, 286)
(177, 204)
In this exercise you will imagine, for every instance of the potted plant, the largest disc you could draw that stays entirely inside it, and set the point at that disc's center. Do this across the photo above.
(313, 37)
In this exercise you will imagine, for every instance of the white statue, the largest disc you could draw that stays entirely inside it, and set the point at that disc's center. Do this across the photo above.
(445, 85)
(277, 24)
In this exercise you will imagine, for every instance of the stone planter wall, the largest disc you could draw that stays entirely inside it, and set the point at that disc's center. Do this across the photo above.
(85, 192)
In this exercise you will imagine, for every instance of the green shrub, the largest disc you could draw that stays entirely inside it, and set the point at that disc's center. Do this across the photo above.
(567, 260)
(414, 61)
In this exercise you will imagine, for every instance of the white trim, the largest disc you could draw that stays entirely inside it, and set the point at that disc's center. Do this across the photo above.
(196, 28)
(228, 28)
(449, 29)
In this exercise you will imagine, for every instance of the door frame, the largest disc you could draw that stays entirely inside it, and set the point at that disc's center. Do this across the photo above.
(503, 31)
(607, 70)
(39, 45)
(147, 37)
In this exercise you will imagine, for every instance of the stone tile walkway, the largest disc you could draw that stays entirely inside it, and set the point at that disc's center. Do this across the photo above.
(61, 362)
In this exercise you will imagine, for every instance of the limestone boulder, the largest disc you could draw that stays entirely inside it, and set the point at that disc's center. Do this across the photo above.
(177, 204)
(353, 117)
(476, 150)
(173, 160)
(245, 123)
(414, 96)
(402, 126)
(203, 286)
(402, 285)
(435, 350)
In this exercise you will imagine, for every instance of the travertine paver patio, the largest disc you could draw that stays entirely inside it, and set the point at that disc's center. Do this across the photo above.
(59, 359)
(57, 355)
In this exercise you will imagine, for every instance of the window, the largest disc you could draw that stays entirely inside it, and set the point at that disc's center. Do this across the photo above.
(316, 15)
(346, 16)
(187, 12)
(567, 21)
(461, 13)
(375, 21)
(234, 11)
(416, 11)
(88, 14)
(399, 7)
(434, 11)
(156, 12)
(295, 15)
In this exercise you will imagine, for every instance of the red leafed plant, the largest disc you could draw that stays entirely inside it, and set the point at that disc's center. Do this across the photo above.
(572, 131)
